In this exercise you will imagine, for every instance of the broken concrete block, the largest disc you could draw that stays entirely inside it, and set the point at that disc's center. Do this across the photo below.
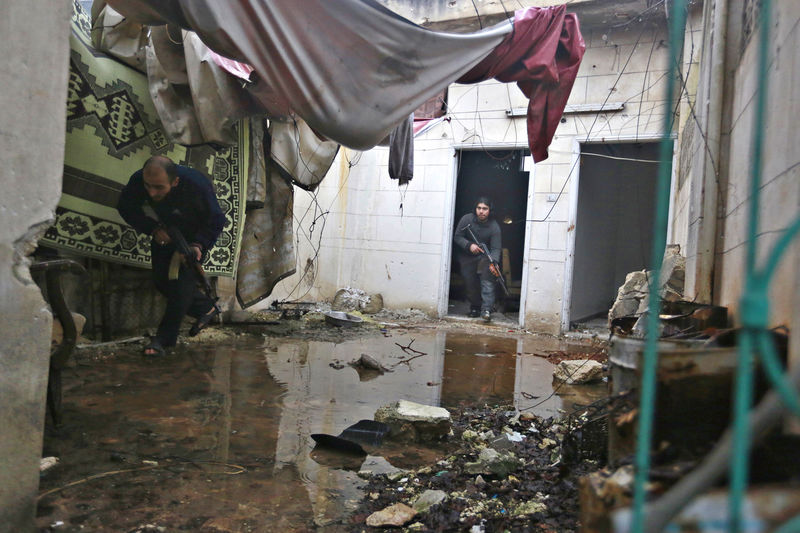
(349, 299)
(491, 461)
(409, 421)
(373, 304)
(673, 274)
(629, 295)
(578, 371)
(394, 515)
(428, 499)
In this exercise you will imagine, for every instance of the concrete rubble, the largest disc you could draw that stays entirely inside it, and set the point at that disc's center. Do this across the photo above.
(414, 422)
(350, 299)
(495, 463)
(428, 499)
(633, 298)
(394, 515)
(578, 371)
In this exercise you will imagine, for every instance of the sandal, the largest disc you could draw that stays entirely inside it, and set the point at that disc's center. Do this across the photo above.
(201, 323)
(154, 349)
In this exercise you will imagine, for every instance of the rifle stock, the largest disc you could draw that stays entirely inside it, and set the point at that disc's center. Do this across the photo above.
(494, 263)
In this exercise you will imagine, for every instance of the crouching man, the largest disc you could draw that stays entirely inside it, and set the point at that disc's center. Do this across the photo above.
(161, 195)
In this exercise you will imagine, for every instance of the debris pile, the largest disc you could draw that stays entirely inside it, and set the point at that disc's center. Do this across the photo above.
(507, 474)
(350, 299)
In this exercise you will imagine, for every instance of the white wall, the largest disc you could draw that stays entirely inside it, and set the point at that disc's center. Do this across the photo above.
(369, 244)
(780, 194)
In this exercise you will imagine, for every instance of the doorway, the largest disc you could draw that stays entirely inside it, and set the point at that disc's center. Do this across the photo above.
(613, 224)
(499, 175)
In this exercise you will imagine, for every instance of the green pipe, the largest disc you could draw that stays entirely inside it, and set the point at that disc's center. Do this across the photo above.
(779, 380)
(792, 526)
(677, 19)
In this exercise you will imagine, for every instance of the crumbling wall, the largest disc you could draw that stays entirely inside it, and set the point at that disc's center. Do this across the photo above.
(35, 56)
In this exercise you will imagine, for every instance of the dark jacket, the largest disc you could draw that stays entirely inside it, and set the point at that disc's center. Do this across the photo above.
(191, 206)
(487, 232)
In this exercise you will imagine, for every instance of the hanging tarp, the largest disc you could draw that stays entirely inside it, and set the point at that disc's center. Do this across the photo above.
(268, 253)
(112, 128)
(299, 153)
(352, 69)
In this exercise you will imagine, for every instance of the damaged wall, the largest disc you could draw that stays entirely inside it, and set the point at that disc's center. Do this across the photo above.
(32, 123)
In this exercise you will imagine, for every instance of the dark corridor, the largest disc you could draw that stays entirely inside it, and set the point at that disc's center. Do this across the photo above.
(499, 175)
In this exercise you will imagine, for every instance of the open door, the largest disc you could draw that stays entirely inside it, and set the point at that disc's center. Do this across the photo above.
(498, 175)
(614, 224)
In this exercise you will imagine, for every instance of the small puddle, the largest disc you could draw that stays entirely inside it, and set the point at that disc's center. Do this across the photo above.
(230, 426)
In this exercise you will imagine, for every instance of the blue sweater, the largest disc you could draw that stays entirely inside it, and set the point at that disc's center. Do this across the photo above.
(191, 205)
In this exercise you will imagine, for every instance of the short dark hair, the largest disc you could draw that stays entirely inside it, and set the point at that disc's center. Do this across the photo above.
(483, 200)
(165, 163)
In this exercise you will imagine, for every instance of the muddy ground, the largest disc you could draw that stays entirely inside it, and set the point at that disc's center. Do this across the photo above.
(216, 435)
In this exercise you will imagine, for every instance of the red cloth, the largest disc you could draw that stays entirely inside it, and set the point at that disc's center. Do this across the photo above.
(542, 54)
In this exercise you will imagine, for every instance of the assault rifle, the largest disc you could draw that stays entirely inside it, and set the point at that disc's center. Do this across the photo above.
(187, 252)
(494, 266)
(183, 248)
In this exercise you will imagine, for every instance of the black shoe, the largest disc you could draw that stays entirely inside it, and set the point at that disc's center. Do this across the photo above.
(474, 313)
(201, 323)
(486, 315)
(154, 349)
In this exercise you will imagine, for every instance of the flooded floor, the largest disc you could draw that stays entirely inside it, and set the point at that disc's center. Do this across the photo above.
(217, 437)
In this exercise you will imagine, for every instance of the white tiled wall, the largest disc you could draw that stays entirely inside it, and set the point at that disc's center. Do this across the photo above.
(370, 244)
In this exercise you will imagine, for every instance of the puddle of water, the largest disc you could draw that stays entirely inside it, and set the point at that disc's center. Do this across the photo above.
(230, 426)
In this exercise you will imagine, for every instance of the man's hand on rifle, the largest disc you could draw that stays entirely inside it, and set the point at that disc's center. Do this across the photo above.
(161, 236)
(197, 252)
(475, 249)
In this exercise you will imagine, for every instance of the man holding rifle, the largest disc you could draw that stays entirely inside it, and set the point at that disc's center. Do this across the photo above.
(177, 207)
(479, 270)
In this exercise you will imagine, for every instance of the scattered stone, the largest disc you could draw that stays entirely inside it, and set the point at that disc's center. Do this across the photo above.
(469, 435)
(349, 299)
(409, 421)
(502, 443)
(373, 304)
(529, 507)
(428, 499)
(578, 371)
(633, 296)
(629, 296)
(46, 463)
(395, 515)
(368, 362)
(491, 461)
(479, 481)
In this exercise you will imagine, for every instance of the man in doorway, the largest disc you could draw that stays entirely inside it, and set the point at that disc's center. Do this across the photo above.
(161, 195)
(475, 266)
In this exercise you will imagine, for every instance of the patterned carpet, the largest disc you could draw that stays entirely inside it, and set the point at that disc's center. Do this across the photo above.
(112, 128)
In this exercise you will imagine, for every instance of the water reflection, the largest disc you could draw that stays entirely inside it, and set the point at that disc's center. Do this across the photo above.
(256, 403)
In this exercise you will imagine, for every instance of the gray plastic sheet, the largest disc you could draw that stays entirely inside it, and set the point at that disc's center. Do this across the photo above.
(352, 69)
